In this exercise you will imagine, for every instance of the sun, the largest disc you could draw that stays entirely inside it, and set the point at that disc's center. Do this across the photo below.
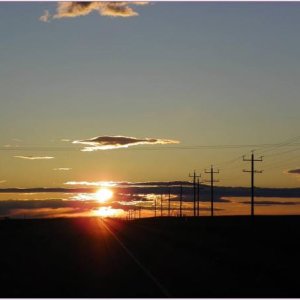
(103, 194)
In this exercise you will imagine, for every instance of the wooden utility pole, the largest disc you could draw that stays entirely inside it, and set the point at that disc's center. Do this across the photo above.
(169, 202)
(252, 171)
(212, 180)
(198, 197)
(194, 176)
(161, 205)
(180, 201)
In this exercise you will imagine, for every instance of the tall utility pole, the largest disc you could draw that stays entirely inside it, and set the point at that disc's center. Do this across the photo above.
(169, 201)
(180, 201)
(252, 171)
(194, 175)
(161, 205)
(212, 180)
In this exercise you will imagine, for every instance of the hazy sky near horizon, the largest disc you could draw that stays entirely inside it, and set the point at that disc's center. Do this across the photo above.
(198, 73)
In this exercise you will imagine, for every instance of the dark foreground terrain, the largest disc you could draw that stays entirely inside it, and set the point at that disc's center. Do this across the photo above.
(205, 257)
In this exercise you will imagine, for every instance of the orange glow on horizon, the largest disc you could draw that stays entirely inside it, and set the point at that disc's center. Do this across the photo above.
(108, 212)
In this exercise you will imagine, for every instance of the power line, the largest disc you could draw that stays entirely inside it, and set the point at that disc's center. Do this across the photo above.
(287, 142)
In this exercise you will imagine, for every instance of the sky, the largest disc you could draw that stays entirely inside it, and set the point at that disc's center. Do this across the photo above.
(168, 77)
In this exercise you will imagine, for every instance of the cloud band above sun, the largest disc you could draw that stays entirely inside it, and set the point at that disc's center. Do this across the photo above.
(76, 9)
(116, 142)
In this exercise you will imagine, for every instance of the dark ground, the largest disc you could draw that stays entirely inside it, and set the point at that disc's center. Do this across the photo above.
(205, 257)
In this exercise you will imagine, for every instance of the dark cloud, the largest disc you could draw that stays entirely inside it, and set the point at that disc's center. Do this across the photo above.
(7, 206)
(267, 203)
(115, 142)
(129, 184)
(76, 9)
(294, 171)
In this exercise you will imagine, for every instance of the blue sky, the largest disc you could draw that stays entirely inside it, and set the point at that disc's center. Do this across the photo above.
(200, 73)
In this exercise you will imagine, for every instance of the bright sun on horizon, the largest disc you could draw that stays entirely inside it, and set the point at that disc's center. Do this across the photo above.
(103, 195)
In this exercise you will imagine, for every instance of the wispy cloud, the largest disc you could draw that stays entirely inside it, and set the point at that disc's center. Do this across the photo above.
(45, 17)
(115, 142)
(2, 181)
(293, 172)
(91, 183)
(76, 9)
(267, 203)
(33, 157)
(62, 169)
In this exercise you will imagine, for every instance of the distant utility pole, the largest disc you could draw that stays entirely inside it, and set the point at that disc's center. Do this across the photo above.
(252, 171)
(212, 172)
(194, 175)
(169, 201)
(198, 197)
(161, 205)
(180, 201)
(155, 206)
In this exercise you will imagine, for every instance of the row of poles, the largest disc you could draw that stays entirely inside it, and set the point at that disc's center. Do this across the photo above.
(212, 172)
(132, 214)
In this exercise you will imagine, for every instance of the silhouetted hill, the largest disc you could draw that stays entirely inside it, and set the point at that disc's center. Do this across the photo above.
(188, 257)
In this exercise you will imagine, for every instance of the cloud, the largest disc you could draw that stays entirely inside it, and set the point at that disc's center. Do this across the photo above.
(45, 17)
(2, 181)
(33, 157)
(62, 169)
(91, 183)
(294, 171)
(115, 142)
(267, 203)
(130, 184)
(7, 206)
(76, 9)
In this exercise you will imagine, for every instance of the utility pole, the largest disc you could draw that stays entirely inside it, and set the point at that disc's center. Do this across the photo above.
(194, 176)
(161, 205)
(180, 201)
(198, 197)
(155, 206)
(212, 180)
(252, 171)
(169, 202)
